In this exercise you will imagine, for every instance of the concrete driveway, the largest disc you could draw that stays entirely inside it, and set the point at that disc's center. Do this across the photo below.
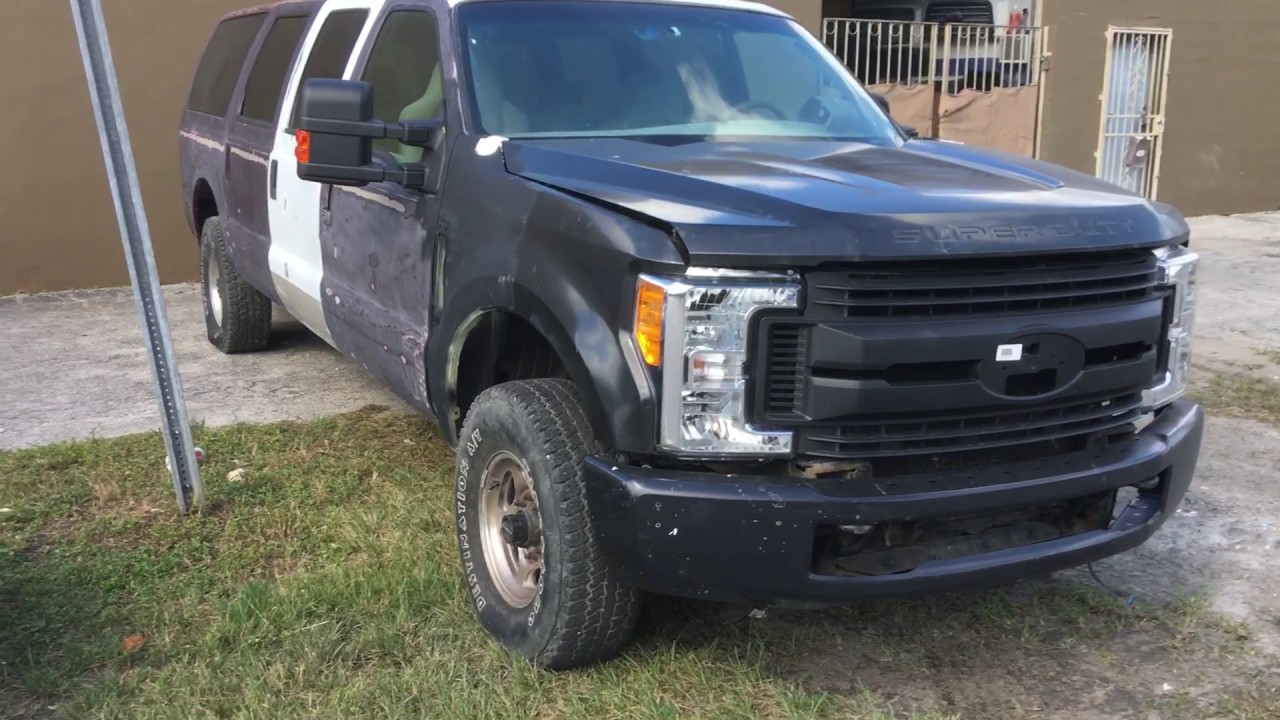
(72, 365)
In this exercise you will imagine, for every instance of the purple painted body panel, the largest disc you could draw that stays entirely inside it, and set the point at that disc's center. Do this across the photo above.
(377, 282)
(245, 224)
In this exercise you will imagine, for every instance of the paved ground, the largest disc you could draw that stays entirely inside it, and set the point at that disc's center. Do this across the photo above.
(72, 365)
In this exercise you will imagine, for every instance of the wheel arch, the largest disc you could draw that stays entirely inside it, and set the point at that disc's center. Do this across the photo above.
(490, 337)
(204, 205)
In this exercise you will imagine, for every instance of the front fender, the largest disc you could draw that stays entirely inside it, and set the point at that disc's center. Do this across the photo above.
(562, 263)
(599, 355)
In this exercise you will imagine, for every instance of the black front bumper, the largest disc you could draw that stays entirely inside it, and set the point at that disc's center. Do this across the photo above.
(751, 539)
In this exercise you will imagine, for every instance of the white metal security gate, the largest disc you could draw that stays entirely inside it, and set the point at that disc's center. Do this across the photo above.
(1134, 95)
(976, 83)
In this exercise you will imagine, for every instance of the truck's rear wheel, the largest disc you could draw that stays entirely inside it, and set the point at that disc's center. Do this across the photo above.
(534, 573)
(237, 317)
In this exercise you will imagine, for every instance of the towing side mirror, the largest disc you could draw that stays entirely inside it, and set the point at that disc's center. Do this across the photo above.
(330, 109)
(335, 135)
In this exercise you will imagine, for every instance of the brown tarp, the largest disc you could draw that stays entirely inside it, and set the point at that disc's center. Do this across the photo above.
(1002, 119)
(910, 105)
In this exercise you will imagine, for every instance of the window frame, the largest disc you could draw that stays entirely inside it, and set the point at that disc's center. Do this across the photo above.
(306, 19)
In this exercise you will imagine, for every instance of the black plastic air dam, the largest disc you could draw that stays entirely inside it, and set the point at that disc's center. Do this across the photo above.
(749, 539)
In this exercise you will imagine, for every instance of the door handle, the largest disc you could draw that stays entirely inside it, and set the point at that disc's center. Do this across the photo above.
(275, 166)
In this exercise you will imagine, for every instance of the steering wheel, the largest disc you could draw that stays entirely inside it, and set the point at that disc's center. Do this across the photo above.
(752, 105)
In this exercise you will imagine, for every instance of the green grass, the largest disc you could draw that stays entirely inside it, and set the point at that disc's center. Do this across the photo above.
(324, 584)
(1241, 395)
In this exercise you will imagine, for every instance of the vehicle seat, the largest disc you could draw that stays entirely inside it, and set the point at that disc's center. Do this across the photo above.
(427, 107)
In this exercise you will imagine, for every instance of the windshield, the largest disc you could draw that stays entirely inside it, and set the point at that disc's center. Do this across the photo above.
(595, 69)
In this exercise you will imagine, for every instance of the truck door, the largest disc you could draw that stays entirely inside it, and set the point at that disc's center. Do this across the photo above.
(294, 204)
(249, 140)
(379, 241)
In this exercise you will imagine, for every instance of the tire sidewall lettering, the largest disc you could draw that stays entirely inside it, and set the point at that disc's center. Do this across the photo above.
(466, 545)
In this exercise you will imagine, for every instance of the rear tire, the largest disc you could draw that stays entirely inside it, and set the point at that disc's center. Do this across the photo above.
(521, 457)
(237, 317)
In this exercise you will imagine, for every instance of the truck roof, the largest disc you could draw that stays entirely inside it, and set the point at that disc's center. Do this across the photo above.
(264, 7)
(731, 4)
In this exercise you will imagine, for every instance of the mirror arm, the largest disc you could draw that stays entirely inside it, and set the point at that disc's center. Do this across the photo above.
(419, 133)
(411, 175)
(375, 129)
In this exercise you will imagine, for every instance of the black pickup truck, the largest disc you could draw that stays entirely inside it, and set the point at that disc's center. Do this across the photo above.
(698, 316)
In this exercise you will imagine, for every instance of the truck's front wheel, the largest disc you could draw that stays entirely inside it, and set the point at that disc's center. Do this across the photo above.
(534, 573)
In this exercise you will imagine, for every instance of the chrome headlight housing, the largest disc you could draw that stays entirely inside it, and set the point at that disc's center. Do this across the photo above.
(1177, 271)
(701, 356)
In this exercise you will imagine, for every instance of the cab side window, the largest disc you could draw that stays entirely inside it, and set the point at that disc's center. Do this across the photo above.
(404, 70)
(330, 52)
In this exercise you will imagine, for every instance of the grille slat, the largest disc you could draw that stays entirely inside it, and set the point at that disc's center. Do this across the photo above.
(875, 439)
(786, 358)
(861, 298)
(985, 287)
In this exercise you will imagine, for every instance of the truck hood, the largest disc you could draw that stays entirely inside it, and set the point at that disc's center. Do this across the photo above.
(801, 203)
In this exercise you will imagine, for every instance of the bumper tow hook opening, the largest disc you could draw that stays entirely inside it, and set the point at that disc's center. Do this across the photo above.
(857, 529)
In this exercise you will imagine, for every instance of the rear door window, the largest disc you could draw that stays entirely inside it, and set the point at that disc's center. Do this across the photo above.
(331, 51)
(220, 66)
(270, 68)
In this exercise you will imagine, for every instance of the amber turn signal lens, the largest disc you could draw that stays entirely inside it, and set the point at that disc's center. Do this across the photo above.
(302, 150)
(650, 301)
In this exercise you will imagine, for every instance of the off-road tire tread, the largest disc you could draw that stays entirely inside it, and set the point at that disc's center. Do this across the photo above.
(246, 313)
(598, 611)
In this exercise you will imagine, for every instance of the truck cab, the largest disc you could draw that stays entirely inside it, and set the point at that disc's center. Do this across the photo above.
(697, 316)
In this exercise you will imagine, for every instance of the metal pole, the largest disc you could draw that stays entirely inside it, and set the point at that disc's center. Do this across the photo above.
(117, 151)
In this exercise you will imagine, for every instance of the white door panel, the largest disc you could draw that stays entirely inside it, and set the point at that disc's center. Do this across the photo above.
(297, 267)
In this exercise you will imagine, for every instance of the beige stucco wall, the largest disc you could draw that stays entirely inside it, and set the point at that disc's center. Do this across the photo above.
(1222, 150)
(57, 224)
(806, 12)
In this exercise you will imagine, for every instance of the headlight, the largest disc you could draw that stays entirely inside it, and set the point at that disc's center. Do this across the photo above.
(699, 340)
(1177, 271)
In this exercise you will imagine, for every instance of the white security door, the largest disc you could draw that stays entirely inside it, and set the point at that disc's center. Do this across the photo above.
(1135, 90)
(294, 204)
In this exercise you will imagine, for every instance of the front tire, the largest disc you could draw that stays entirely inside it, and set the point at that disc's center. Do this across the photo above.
(534, 574)
(237, 317)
